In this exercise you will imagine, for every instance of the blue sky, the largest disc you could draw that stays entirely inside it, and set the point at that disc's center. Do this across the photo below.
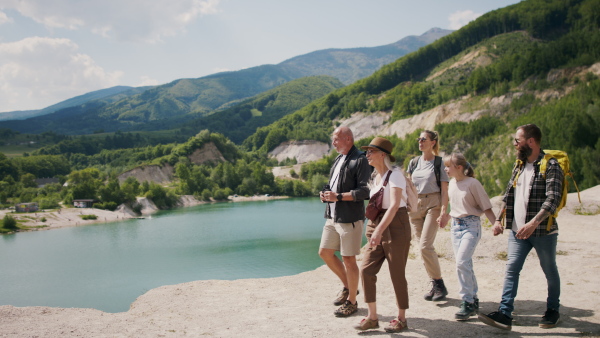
(52, 50)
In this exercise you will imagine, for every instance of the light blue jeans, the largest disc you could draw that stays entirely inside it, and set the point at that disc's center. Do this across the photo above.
(466, 233)
(518, 249)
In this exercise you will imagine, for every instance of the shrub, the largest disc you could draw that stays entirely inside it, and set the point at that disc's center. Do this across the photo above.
(206, 195)
(9, 223)
(87, 217)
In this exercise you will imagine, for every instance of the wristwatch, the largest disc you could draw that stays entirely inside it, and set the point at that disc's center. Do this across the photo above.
(339, 197)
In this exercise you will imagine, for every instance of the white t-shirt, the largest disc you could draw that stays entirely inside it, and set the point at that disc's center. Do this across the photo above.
(467, 197)
(333, 183)
(522, 191)
(396, 180)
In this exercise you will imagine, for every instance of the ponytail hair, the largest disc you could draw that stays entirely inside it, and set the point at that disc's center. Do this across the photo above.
(434, 136)
(458, 159)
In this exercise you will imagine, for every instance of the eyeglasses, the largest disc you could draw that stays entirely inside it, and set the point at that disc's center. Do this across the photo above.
(517, 141)
(371, 151)
(421, 139)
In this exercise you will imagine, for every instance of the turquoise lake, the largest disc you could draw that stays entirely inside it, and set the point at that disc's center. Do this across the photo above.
(107, 266)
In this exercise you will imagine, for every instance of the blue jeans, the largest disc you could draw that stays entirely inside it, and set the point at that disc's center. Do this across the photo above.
(466, 233)
(518, 249)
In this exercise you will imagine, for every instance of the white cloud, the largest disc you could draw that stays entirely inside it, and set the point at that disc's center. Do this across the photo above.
(37, 72)
(461, 18)
(4, 18)
(130, 20)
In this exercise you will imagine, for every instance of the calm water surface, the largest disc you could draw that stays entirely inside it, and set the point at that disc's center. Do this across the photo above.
(107, 266)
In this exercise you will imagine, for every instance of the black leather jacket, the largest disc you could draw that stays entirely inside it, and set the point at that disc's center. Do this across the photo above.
(354, 175)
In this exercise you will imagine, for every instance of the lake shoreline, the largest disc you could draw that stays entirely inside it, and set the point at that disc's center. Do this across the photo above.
(300, 304)
(72, 217)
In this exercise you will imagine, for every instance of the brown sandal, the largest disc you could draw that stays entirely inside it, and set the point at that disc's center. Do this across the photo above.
(396, 325)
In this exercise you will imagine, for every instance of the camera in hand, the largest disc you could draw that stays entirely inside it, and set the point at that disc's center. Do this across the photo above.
(326, 187)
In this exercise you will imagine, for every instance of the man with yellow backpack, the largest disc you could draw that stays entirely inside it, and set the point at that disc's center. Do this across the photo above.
(532, 199)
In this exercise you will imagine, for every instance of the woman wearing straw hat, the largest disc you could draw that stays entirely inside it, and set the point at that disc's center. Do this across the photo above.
(388, 236)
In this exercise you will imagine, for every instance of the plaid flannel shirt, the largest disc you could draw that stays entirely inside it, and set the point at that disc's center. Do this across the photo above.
(543, 194)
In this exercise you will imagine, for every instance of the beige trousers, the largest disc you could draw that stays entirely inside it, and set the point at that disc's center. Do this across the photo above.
(425, 228)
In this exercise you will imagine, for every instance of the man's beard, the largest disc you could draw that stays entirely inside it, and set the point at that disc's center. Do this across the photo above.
(523, 152)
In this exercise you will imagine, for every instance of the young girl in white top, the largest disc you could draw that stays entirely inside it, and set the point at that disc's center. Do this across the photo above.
(468, 200)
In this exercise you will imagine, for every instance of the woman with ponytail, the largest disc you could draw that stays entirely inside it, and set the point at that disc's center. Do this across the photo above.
(431, 183)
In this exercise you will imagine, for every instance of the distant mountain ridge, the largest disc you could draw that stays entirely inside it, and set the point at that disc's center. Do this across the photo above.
(362, 61)
(192, 98)
(109, 94)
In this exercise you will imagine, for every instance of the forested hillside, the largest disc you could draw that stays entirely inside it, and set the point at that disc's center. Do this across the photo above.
(518, 48)
(352, 64)
(242, 120)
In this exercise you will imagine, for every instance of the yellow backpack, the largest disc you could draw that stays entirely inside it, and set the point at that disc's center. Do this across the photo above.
(563, 161)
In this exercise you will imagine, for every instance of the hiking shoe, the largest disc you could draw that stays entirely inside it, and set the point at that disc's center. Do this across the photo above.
(367, 324)
(549, 319)
(497, 319)
(476, 303)
(429, 295)
(438, 291)
(342, 296)
(347, 309)
(396, 325)
(466, 310)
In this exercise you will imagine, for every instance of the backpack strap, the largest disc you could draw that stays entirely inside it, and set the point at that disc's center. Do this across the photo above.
(437, 169)
(412, 165)
(518, 163)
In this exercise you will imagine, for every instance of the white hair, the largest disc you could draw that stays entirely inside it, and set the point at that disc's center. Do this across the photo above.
(375, 175)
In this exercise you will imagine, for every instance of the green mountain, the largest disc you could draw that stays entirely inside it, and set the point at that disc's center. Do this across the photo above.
(184, 99)
(526, 63)
(236, 123)
(352, 64)
(242, 120)
(107, 95)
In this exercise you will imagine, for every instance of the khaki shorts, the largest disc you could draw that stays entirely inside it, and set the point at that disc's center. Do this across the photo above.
(343, 237)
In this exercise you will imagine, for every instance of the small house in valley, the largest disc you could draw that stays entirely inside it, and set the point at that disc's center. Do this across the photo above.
(27, 207)
(83, 203)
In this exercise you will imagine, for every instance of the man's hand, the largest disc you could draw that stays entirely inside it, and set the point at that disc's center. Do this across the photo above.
(526, 230)
(328, 196)
(498, 228)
